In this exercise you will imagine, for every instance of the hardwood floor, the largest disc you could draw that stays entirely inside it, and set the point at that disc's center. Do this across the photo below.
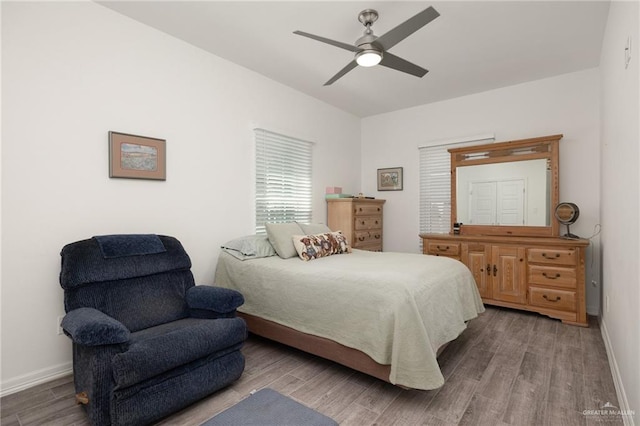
(507, 368)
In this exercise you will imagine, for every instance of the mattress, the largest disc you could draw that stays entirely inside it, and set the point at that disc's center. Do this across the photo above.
(398, 308)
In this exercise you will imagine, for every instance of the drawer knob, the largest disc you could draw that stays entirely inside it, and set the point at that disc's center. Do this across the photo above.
(544, 274)
(551, 257)
(363, 222)
(557, 299)
(442, 249)
(488, 269)
(377, 236)
(361, 238)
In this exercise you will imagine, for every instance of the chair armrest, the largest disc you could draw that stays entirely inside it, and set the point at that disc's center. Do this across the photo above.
(90, 327)
(206, 300)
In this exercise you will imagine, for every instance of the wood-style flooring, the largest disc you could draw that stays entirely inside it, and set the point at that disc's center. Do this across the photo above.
(507, 368)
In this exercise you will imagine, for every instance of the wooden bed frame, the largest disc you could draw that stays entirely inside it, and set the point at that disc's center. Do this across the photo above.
(315, 345)
(320, 346)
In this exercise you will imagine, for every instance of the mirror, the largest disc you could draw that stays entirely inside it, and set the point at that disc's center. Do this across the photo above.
(567, 214)
(505, 194)
(507, 188)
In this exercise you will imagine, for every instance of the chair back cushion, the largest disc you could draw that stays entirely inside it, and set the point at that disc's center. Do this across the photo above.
(139, 290)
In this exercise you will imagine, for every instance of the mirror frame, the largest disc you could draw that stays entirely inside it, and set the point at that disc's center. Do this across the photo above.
(545, 147)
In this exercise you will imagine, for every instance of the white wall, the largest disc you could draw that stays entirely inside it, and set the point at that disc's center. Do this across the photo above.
(72, 71)
(567, 104)
(620, 207)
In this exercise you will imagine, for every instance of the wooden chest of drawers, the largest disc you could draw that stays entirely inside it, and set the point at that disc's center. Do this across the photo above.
(360, 220)
(544, 274)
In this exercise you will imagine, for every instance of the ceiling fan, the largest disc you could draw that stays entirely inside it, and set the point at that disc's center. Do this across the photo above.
(372, 50)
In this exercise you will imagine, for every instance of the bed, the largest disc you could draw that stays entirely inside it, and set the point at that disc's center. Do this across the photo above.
(385, 314)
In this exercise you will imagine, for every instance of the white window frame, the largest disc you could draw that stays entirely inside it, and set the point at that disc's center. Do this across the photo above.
(435, 182)
(283, 179)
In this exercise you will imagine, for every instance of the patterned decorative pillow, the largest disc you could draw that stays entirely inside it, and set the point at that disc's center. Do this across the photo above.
(320, 245)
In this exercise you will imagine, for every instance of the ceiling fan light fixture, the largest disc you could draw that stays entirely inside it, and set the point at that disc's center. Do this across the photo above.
(371, 50)
(368, 58)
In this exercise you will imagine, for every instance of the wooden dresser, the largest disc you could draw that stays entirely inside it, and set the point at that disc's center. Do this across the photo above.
(539, 274)
(359, 219)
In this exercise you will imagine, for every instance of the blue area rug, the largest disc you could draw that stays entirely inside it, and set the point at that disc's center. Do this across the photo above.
(269, 408)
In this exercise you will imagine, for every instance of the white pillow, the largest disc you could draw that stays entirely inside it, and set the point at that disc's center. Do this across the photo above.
(280, 237)
(314, 228)
(249, 247)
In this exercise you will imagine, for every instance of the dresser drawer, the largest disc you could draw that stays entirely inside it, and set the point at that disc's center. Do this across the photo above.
(362, 238)
(364, 209)
(561, 300)
(368, 222)
(369, 247)
(443, 248)
(552, 256)
(548, 275)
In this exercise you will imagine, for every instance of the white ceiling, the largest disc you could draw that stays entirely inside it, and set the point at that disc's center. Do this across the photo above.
(472, 47)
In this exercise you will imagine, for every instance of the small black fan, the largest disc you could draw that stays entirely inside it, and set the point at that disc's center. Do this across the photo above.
(372, 50)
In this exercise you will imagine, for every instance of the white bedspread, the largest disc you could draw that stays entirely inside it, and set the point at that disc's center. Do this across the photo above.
(398, 308)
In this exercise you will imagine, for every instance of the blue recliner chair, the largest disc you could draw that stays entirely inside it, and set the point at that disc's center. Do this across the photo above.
(146, 341)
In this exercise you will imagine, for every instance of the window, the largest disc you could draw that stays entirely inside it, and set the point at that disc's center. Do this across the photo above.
(435, 183)
(283, 179)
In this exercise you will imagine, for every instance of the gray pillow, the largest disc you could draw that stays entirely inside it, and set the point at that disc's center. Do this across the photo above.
(280, 235)
(314, 228)
(249, 247)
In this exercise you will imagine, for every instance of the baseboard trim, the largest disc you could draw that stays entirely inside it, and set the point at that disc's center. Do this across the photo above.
(34, 378)
(617, 379)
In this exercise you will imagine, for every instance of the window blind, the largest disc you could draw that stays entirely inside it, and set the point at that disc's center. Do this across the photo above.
(283, 179)
(435, 183)
(435, 190)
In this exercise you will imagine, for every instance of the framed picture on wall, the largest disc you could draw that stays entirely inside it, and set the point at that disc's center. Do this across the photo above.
(390, 179)
(137, 157)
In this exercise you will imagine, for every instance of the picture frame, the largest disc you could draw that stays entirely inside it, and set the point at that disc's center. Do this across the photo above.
(137, 157)
(390, 179)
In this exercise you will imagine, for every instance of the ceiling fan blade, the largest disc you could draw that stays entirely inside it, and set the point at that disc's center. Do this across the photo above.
(408, 27)
(397, 63)
(351, 65)
(340, 44)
